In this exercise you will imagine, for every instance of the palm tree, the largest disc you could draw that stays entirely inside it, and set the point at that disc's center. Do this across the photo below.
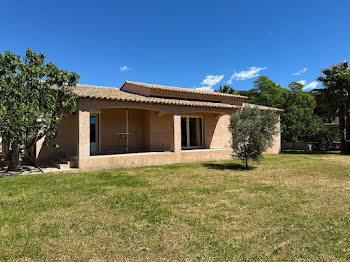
(227, 90)
(335, 98)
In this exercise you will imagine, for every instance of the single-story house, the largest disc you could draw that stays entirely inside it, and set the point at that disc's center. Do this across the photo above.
(144, 124)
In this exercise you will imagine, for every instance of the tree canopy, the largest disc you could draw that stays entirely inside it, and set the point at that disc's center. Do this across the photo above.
(299, 122)
(227, 90)
(334, 99)
(267, 93)
(35, 96)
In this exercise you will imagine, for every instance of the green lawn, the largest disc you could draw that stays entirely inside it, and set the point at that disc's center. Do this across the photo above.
(291, 207)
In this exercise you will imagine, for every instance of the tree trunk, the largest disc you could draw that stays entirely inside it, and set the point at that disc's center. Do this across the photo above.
(14, 158)
(33, 156)
(2, 163)
(341, 114)
(246, 163)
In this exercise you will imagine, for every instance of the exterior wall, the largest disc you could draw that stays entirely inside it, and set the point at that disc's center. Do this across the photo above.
(146, 91)
(136, 89)
(216, 132)
(160, 127)
(276, 148)
(137, 124)
(215, 129)
(183, 95)
(67, 135)
(153, 159)
(113, 121)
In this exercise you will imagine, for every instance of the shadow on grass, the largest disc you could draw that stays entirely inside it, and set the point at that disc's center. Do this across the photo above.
(228, 166)
(307, 152)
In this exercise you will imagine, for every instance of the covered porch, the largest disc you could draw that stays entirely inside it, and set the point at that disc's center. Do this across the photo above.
(130, 130)
(136, 135)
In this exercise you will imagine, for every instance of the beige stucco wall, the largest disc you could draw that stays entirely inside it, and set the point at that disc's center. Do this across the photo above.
(137, 89)
(216, 132)
(276, 148)
(160, 127)
(137, 138)
(203, 97)
(215, 129)
(67, 135)
(113, 121)
(153, 158)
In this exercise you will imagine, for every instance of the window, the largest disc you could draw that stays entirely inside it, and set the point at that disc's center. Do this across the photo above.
(92, 129)
(191, 132)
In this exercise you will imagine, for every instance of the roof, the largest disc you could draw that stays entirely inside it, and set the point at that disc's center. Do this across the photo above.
(184, 90)
(113, 93)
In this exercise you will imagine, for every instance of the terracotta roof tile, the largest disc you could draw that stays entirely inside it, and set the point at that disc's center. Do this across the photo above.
(112, 93)
(184, 90)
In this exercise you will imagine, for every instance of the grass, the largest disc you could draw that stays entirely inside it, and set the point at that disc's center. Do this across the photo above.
(290, 207)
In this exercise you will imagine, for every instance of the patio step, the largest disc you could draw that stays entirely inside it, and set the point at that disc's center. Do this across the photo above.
(73, 162)
(61, 164)
(64, 161)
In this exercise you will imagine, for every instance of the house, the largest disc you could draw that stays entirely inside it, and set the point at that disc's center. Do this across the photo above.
(143, 124)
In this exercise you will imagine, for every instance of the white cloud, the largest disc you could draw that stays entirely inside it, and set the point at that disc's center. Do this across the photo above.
(124, 68)
(211, 80)
(205, 88)
(303, 82)
(243, 75)
(311, 86)
(300, 72)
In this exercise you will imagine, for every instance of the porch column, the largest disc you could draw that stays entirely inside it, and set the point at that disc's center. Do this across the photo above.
(176, 147)
(83, 135)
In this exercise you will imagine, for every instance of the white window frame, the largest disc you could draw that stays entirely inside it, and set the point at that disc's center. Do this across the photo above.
(187, 117)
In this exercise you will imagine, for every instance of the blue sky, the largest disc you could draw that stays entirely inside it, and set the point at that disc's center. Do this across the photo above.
(190, 44)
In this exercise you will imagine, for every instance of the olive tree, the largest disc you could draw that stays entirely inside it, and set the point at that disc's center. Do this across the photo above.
(34, 97)
(253, 131)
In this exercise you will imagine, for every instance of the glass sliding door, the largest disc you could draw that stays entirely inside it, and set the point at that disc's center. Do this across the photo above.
(94, 131)
(191, 132)
(195, 132)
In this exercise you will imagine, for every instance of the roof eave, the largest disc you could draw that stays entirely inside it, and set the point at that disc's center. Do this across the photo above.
(162, 103)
